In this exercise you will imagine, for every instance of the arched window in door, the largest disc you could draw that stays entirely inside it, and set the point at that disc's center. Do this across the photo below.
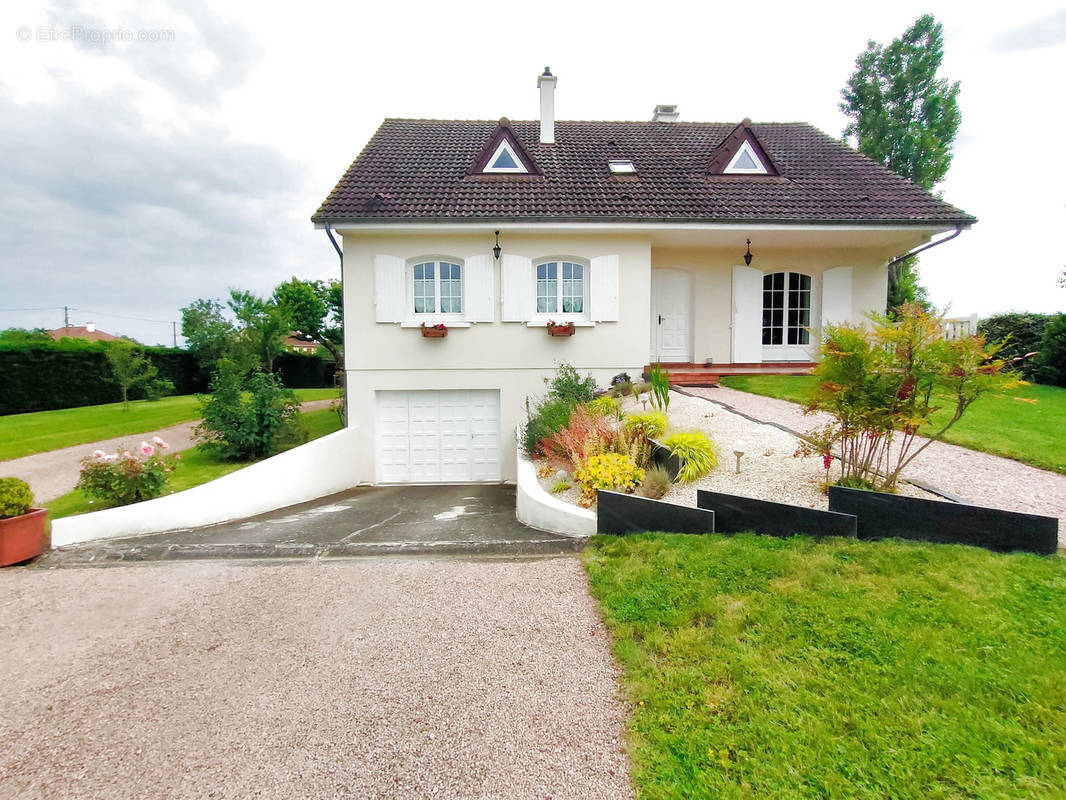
(786, 308)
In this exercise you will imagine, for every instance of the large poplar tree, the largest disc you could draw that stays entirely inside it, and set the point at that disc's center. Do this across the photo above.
(906, 117)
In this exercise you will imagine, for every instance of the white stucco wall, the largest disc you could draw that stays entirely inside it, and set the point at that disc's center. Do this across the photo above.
(538, 509)
(316, 469)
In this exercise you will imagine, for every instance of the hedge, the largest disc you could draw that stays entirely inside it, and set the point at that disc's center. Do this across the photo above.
(46, 377)
(1019, 332)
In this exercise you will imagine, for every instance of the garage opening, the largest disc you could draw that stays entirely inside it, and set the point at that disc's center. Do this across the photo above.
(448, 436)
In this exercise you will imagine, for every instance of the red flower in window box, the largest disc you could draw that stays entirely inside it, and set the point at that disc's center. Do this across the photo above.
(438, 331)
(560, 328)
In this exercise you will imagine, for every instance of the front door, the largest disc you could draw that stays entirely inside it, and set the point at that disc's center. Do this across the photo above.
(671, 304)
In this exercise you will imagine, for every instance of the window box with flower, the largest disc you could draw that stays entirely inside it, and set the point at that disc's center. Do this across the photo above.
(437, 331)
(561, 328)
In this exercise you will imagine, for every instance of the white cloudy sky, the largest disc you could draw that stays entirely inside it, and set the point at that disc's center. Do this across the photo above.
(137, 176)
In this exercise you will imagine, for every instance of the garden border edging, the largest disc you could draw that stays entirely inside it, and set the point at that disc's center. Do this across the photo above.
(537, 509)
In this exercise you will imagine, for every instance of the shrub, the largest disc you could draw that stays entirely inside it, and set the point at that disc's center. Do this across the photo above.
(560, 486)
(16, 498)
(119, 479)
(244, 418)
(586, 434)
(695, 452)
(550, 417)
(622, 389)
(660, 387)
(604, 406)
(648, 424)
(569, 386)
(158, 389)
(656, 483)
(879, 383)
(1018, 334)
(607, 471)
(1050, 367)
(130, 367)
(855, 482)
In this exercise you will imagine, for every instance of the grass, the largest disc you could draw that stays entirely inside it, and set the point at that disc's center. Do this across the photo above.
(196, 467)
(1025, 424)
(763, 667)
(41, 431)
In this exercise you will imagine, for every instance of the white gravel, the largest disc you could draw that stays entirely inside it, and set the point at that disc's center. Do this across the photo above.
(374, 678)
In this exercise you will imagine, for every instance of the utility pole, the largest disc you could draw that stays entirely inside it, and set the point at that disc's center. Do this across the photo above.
(66, 317)
(174, 328)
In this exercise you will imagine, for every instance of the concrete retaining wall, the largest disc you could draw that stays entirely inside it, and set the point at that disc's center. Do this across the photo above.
(538, 509)
(316, 469)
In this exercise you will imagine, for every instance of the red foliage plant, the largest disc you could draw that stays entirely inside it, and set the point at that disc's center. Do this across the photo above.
(587, 434)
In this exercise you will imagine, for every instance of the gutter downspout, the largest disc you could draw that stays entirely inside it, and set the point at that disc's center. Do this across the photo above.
(897, 259)
(340, 255)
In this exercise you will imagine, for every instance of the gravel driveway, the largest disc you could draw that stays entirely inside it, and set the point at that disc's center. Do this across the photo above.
(365, 678)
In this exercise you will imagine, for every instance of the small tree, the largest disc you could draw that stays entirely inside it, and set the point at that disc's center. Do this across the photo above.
(881, 386)
(245, 415)
(130, 366)
(316, 310)
(210, 335)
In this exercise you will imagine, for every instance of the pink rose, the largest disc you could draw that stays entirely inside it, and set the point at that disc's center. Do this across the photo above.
(160, 443)
(147, 449)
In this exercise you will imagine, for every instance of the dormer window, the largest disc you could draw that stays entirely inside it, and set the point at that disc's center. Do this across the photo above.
(621, 166)
(745, 162)
(504, 159)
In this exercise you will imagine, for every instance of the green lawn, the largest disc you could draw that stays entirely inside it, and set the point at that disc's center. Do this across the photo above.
(762, 667)
(196, 467)
(41, 431)
(1025, 424)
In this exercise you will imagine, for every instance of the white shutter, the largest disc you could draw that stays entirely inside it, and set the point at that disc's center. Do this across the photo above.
(516, 292)
(836, 296)
(390, 288)
(603, 289)
(747, 315)
(479, 287)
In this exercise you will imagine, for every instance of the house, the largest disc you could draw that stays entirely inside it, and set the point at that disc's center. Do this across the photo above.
(87, 331)
(297, 344)
(660, 241)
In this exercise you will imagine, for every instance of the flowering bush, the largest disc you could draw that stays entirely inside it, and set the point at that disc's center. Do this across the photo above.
(607, 471)
(122, 478)
(440, 326)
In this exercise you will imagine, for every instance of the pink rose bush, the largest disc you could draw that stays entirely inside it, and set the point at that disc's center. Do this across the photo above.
(119, 479)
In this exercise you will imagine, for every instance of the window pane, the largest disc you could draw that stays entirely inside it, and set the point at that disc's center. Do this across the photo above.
(745, 161)
(451, 288)
(766, 336)
(504, 161)
(547, 288)
(573, 288)
(767, 282)
(425, 293)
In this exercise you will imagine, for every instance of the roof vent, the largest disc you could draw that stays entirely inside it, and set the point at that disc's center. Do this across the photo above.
(665, 114)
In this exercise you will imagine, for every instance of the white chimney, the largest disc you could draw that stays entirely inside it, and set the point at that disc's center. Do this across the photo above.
(665, 114)
(546, 84)
(90, 327)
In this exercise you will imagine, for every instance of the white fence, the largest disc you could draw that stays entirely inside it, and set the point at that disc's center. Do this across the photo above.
(959, 327)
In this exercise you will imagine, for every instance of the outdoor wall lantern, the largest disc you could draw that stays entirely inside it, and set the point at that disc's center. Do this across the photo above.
(738, 450)
(747, 262)
(497, 249)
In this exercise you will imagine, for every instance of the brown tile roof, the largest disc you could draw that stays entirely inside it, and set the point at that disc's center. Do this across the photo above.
(82, 332)
(417, 170)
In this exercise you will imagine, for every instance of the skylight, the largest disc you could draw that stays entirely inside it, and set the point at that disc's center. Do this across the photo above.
(745, 162)
(621, 166)
(505, 160)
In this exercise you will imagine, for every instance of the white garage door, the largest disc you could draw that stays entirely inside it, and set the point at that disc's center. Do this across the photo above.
(438, 437)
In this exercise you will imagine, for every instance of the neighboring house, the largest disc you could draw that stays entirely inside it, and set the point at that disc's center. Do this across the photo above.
(86, 331)
(294, 344)
(634, 231)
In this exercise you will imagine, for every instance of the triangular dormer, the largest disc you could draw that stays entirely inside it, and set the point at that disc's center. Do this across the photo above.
(503, 154)
(741, 153)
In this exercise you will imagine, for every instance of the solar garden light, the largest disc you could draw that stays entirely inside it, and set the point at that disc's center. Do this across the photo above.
(738, 451)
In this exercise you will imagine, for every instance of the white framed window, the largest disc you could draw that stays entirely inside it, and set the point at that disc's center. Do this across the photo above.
(786, 308)
(562, 288)
(435, 288)
(505, 160)
(745, 162)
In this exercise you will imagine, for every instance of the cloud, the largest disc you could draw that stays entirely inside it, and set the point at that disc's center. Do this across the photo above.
(1044, 32)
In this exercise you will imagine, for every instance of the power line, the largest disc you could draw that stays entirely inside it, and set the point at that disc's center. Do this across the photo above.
(12, 310)
(120, 316)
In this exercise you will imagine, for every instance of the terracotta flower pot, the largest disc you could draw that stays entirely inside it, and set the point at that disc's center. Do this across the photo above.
(434, 333)
(22, 537)
(561, 330)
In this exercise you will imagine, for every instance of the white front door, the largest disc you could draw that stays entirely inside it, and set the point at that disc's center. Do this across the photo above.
(671, 305)
(450, 436)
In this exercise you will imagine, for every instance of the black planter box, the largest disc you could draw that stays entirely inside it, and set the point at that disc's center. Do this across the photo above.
(882, 516)
(733, 514)
(663, 457)
(618, 513)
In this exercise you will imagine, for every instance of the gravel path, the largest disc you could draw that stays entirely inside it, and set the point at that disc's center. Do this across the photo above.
(372, 678)
(56, 472)
(979, 478)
